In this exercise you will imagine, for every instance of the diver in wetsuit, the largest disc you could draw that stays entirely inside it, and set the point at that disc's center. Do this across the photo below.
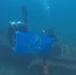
(17, 26)
(50, 33)
(13, 27)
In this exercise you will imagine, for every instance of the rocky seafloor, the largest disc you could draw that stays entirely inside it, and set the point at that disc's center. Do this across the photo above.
(62, 61)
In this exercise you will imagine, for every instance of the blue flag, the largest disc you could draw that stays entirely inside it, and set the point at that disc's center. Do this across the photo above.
(32, 43)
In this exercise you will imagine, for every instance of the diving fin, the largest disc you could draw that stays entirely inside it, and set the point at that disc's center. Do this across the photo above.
(24, 13)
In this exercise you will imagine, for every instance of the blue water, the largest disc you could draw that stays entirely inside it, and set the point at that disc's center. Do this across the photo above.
(61, 13)
(42, 14)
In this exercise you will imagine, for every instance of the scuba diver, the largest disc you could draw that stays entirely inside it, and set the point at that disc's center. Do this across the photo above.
(13, 27)
(50, 33)
(17, 26)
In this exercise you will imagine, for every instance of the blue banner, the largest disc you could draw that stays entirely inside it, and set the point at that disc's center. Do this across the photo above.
(32, 43)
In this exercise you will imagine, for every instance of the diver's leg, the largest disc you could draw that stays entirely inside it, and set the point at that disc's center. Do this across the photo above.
(45, 65)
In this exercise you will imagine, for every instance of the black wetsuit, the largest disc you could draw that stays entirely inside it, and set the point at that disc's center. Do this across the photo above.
(11, 35)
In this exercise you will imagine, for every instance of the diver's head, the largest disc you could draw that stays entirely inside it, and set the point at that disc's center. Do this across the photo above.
(22, 27)
(12, 24)
(50, 32)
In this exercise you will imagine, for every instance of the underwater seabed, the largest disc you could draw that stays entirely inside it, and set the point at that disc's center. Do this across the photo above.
(62, 61)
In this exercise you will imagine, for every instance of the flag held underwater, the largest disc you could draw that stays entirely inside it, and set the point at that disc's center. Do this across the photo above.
(32, 43)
